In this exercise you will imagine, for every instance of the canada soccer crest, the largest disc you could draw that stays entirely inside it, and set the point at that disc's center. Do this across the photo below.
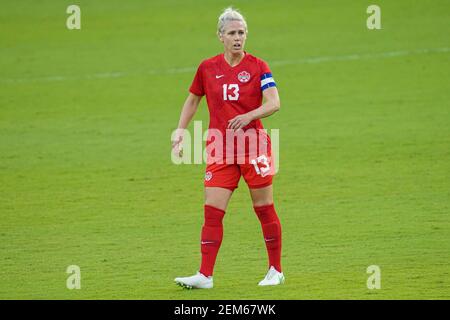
(244, 76)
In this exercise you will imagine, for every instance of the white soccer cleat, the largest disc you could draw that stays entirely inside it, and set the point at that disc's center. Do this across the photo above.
(273, 278)
(198, 281)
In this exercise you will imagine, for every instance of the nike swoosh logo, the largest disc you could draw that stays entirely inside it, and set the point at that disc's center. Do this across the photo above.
(271, 239)
(218, 77)
(206, 242)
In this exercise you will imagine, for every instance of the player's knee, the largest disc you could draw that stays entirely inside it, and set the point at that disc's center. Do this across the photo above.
(262, 196)
(262, 202)
(218, 204)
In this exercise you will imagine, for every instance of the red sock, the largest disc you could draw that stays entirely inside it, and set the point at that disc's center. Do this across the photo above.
(212, 234)
(271, 228)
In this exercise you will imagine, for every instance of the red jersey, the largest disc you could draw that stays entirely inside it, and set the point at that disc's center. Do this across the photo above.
(231, 91)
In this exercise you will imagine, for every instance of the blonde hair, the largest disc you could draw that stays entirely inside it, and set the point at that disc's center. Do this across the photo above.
(230, 14)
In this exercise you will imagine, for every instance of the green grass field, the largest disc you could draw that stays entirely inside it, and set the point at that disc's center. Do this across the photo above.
(86, 177)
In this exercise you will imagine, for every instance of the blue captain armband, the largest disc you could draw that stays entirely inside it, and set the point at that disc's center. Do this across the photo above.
(267, 81)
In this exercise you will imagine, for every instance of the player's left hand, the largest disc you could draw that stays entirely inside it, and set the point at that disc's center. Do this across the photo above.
(177, 143)
(239, 122)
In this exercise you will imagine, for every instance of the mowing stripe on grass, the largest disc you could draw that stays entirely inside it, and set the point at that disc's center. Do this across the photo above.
(310, 60)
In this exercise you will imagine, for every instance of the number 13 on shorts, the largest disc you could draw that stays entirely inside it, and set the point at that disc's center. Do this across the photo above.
(265, 165)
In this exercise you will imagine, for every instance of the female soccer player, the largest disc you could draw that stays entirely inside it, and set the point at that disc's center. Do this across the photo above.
(235, 83)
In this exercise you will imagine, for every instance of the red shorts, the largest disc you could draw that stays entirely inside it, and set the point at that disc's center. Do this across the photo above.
(258, 173)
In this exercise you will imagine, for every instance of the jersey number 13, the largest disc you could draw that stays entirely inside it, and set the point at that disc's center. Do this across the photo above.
(233, 89)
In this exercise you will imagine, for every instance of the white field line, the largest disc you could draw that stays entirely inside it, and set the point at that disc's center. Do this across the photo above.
(310, 60)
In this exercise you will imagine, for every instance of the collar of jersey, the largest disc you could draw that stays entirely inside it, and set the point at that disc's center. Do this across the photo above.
(227, 65)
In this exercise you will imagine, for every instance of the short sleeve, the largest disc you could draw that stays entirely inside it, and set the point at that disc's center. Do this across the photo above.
(197, 84)
(266, 77)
